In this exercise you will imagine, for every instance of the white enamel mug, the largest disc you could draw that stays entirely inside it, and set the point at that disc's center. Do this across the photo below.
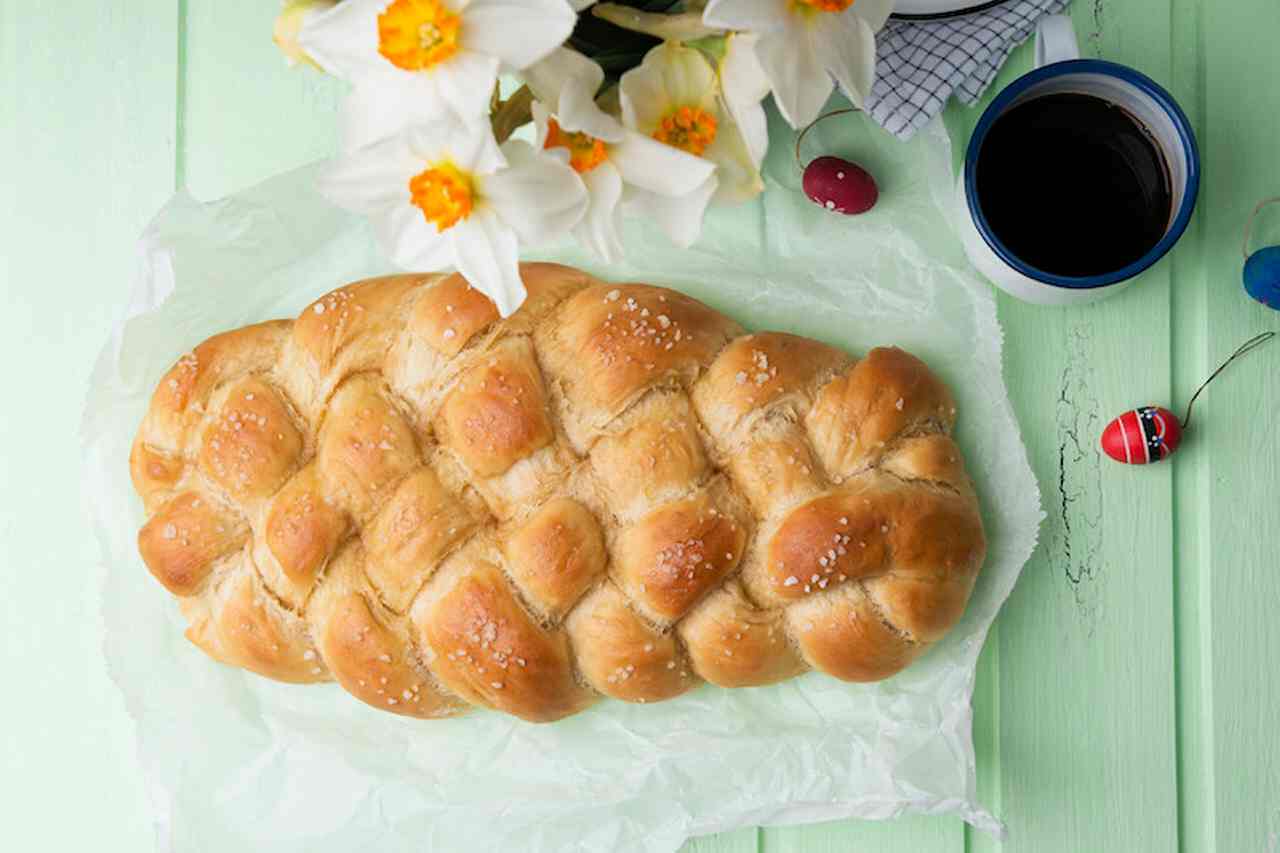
(1059, 69)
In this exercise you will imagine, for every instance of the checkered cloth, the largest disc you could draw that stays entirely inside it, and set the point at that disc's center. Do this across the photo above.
(920, 64)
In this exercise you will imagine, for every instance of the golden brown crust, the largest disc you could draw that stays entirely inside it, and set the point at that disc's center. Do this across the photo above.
(245, 627)
(252, 445)
(411, 534)
(182, 540)
(366, 446)
(373, 664)
(497, 414)
(614, 491)
(673, 556)
(608, 344)
(556, 555)
(886, 394)
(732, 643)
(302, 531)
(621, 655)
(488, 650)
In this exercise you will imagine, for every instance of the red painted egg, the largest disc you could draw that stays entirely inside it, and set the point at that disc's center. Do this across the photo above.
(840, 186)
(1146, 434)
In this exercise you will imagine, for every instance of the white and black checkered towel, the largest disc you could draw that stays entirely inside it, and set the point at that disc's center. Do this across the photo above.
(920, 64)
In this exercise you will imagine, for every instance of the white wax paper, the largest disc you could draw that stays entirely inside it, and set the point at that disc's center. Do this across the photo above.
(234, 762)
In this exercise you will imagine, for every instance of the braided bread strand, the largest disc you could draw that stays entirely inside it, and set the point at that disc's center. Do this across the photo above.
(615, 491)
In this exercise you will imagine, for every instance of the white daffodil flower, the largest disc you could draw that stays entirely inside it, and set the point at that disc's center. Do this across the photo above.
(411, 61)
(445, 195)
(616, 164)
(804, 43)
(673, 96)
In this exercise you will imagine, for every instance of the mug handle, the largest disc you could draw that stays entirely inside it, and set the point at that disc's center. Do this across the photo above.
(1055, 40)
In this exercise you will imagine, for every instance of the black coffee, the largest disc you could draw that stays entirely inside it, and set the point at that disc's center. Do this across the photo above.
(1074, 185)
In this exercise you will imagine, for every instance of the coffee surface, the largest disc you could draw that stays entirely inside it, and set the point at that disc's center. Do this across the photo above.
(1073, 185)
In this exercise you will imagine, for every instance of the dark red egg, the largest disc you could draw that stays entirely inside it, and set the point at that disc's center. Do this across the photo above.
(1139, 436)
(840, 186)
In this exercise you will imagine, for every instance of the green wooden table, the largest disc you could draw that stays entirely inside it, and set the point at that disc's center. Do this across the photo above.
(1127, 698)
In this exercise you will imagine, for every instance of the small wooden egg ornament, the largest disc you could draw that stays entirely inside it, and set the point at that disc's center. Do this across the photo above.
(834, 183)
(1262, 276)
(840, 186)
(1142, 435)
(1152, 433)
(1262, 268)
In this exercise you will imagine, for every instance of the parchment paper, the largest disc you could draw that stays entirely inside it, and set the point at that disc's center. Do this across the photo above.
(235, 762)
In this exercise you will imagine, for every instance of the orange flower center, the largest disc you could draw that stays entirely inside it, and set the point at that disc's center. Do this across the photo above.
(687, 128)
(417, 34)
(825, 5)
(585, 152)
(444, 194)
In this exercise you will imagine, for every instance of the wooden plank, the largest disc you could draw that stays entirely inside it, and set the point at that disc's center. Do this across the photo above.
(87, 112)
(1235, 431)
(1085, 695)
(1192, 469)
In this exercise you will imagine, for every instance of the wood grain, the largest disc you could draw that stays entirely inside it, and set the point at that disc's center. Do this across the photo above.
(1236, 429)
(87, 114)
(1087, 743)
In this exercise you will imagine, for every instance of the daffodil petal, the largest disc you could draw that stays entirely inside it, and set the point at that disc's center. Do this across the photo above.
(468, 145)
(679, 217)
(540, 198)
(548, 76)
(541, 116)
(519, 32)
(411, 241)
(578, 112)
(465, 82)
(372, 179)
(644, 101)
(738, 176)
(847, 48)
(650, 165)
(686, 74)
(875, 12)
(744, 85)
(374, 111)
(800, 83)
(485, 252)
(344, 40)
(598, 230)
(579, 5)
(757, 15)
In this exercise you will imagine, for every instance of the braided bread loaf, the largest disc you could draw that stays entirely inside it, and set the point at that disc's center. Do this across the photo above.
(613, 491)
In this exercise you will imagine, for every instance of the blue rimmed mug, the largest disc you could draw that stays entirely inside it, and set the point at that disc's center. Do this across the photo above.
(1059, 69)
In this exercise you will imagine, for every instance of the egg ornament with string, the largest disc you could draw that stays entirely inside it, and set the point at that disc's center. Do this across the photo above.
(1153, 433)
(840, 186)
(1142, 435)
(1262, 268)
(1262, 276)
(834, 183)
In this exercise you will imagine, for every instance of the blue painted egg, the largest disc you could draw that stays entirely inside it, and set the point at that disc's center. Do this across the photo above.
(1262, 276)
